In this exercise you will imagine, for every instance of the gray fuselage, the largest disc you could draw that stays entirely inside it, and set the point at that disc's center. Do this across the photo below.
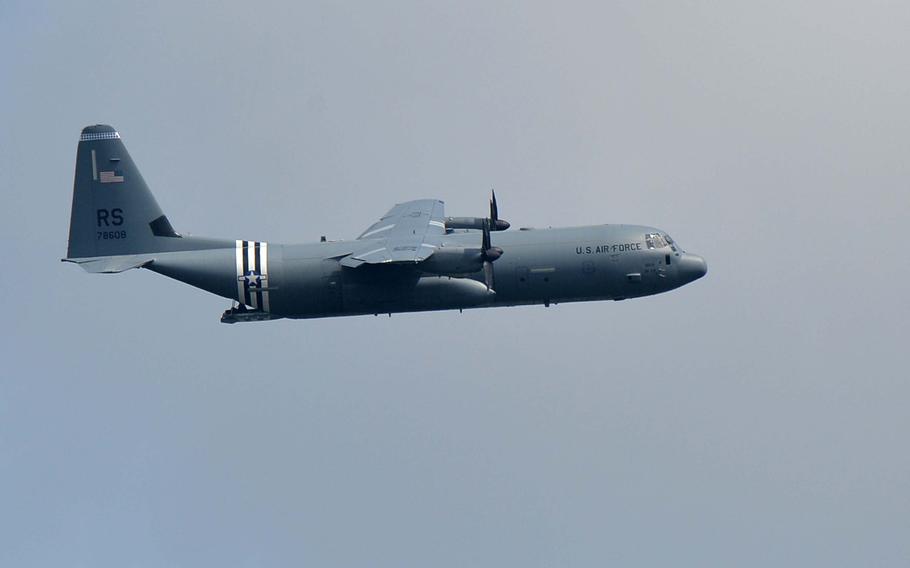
(538, 266)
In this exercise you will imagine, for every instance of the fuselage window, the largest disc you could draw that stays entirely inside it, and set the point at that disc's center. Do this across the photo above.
(655, 241)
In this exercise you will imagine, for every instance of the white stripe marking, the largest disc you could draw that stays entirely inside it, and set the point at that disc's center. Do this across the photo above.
(251, 266)
(264, 262)
(438, 224)
(366, 254)
(240, 272)
(379, 230)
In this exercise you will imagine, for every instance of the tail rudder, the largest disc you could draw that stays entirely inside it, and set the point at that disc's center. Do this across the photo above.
(114, 212)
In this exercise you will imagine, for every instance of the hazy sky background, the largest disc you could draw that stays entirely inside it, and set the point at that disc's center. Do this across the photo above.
(757, 417)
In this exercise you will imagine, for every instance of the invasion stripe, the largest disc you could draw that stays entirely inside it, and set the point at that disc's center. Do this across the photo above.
(240, 279)
(264, 252)
(246, 283)
(250, 266)
(257, 255)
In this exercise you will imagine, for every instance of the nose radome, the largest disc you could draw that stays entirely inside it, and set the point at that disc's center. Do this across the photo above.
(692, 267)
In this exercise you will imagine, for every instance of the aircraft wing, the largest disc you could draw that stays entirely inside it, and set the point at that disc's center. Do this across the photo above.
(408, 233)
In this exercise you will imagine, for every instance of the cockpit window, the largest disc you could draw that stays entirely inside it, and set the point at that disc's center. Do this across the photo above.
(673, 245)
(655, 241)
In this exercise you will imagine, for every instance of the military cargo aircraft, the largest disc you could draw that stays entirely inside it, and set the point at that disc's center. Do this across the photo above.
(414, 258)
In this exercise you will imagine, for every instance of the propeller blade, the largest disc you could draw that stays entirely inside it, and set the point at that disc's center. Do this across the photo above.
(488, 275)
(488, 252)
(485, 243)
(496, 224)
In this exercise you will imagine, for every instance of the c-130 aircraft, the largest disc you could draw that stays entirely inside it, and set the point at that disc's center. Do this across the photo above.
(413, 259)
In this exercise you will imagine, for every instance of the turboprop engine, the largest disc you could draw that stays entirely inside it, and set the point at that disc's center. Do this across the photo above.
(461, 261)
(493, 222)
(453, 261)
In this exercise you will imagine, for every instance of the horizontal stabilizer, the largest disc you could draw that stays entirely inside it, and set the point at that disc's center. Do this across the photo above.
(112, 264)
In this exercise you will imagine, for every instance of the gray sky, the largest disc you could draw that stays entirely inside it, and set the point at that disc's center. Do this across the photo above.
(756, 417)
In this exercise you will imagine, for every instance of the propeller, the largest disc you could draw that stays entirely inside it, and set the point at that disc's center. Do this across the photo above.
(496, 224)
(489, 253)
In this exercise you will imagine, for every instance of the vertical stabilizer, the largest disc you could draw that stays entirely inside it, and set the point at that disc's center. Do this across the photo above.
(114, 212)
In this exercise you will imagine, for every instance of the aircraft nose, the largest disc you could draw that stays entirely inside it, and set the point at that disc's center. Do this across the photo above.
(692, 267)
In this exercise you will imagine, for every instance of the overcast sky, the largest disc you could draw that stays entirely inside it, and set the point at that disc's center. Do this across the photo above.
(756, 417)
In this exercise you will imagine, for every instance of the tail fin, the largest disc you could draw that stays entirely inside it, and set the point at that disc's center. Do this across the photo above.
(114, 213)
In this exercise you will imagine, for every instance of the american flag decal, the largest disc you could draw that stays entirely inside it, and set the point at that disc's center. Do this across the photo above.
(110, 177)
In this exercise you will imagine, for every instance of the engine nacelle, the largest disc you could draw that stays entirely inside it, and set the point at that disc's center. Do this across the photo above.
(475, 223)
(453, 261)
